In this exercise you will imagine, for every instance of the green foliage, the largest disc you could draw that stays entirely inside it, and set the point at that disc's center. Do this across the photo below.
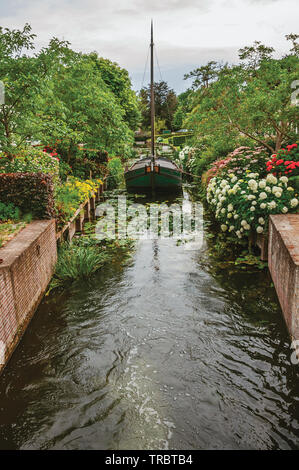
(203, 76)
(62, 98)
(70, 195)
(116, 172)
(252, 101)
(30, 192)
(9, 211)
(165, 104)
(76, 262)
(25, 78)
(118, 81)
(30, 159)
(243, 205)
(86, 255)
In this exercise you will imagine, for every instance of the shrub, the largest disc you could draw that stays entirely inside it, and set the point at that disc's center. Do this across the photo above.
(115, 172)
(242, 205)
(9, 212)
(30, 192)
(31, 160)
(70, 195)
(285, 161)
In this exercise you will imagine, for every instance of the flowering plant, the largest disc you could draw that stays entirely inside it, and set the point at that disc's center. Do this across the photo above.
(30, 160)
(285, 161)
(70, 195)
(243, 205)
(216, 169)
(186, 158)
(247, 159)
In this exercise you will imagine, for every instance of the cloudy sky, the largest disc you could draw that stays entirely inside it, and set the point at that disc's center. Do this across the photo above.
(188, 33)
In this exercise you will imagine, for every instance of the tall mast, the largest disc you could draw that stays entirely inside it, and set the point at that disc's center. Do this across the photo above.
(152, 97)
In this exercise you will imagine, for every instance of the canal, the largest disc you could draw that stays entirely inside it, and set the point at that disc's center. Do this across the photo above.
(169, 351)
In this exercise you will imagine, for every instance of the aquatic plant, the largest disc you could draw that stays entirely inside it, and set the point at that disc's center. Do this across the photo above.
(76, 262)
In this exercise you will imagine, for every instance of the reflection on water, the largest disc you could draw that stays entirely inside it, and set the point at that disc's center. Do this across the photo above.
(167, 352)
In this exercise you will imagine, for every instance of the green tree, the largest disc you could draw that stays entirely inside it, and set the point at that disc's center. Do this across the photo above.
(252, 101)
(165, 104)
(118, 81)
(203, 76)
(25, 77)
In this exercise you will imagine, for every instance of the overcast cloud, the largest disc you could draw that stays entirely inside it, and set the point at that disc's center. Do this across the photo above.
(188, 33)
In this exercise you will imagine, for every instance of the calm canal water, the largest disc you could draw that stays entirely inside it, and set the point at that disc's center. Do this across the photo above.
(168, 351)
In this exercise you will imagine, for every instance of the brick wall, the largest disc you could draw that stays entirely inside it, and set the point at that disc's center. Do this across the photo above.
(26, 270)
(283, 258)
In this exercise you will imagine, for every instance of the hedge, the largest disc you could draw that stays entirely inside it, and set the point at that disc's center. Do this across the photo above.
(30, 192)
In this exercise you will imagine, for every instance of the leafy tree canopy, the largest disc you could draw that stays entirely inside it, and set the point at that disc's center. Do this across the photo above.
(165, 104)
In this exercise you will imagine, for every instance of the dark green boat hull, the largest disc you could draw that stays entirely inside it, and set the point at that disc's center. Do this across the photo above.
(168, 179)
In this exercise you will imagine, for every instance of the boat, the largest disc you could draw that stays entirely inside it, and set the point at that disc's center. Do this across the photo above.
(153, 173)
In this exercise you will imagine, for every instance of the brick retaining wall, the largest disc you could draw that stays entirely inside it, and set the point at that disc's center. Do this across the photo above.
(283, 259)
(25, 272)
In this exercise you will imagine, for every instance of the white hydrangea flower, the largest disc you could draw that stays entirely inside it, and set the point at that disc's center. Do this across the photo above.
(229, 215)
(223, 227)
(236, 216)
(243, 223)
(259, 229)
(272, 205)
(290, 188)
(294, 202)
(268, 189)
(261, 220)
(252, 184)
(285, 209)
(252, 208)
(284, 179)
(230, 207)
(271, 179)
(262, 184)
(263, 195)
(263, 205)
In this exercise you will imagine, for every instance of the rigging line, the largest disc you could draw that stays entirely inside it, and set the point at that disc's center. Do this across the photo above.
(168, 112)
(146, 62)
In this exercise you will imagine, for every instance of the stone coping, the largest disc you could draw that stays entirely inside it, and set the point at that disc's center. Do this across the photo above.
(288, 227)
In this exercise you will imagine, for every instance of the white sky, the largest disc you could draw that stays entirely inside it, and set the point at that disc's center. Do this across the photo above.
(188, 33)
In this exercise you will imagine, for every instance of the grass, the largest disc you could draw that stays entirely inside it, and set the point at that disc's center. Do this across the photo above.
(9, 229)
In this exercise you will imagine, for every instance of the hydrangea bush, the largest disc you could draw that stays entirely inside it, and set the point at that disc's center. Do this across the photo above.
(242, 204)
(186, 159)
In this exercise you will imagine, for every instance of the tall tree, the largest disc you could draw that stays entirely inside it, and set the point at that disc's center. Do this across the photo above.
(24, 77)
(118, 80)
(203, 76)
(253, 101)
(165, 103)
